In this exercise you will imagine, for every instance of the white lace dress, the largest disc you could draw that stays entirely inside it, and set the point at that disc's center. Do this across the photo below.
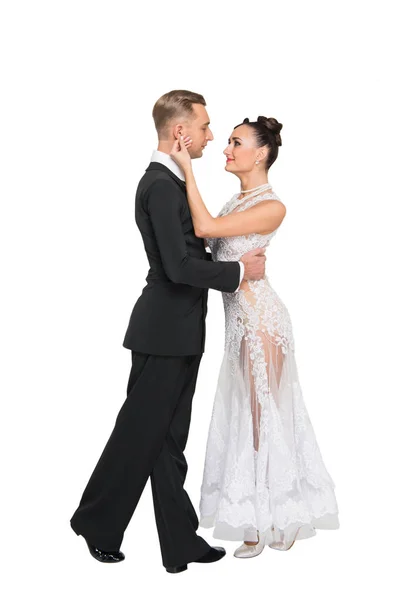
(263, 469)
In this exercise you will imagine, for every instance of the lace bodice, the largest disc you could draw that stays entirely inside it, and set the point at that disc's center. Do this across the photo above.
(256, 308)
(232, 248)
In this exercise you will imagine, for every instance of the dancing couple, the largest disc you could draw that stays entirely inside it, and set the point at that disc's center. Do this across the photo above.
(264, 481)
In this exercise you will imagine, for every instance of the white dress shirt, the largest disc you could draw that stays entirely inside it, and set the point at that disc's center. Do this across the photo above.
(167, 161)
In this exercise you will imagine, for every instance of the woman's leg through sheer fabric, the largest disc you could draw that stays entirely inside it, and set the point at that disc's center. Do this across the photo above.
(259, 357)
(268, 364)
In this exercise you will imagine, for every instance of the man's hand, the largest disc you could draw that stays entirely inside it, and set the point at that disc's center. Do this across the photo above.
(254, 264)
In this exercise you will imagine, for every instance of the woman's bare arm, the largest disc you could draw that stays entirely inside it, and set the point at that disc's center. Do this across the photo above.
(263, 218)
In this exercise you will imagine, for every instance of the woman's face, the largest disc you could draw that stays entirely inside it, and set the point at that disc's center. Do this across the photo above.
(242, 151)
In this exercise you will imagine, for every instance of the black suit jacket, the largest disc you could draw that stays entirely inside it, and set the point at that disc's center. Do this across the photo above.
(169, 316)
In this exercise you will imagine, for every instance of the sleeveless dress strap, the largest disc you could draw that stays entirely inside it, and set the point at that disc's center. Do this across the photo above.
(257, 199)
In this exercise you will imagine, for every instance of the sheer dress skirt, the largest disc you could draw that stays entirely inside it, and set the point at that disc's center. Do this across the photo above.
(263, 469)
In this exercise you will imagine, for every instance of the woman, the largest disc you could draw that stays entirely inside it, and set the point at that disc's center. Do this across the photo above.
(264, 480)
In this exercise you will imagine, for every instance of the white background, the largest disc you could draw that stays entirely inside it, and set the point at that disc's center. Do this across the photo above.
(79, 82)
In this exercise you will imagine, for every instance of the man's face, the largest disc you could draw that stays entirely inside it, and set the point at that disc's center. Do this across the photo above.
(198, 129)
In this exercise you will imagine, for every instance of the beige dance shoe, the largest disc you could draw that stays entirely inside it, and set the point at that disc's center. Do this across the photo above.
(284, 545)
(246, 551)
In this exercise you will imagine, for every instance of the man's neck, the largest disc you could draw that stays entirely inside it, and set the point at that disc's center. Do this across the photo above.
(165, 147)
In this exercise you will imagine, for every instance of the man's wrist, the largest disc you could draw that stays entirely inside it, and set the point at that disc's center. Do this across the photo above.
(241, 276)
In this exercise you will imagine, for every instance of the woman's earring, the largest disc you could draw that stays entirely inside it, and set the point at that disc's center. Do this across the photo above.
(257, 162)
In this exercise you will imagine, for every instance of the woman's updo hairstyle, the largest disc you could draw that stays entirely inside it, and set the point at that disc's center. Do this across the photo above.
(267, 132)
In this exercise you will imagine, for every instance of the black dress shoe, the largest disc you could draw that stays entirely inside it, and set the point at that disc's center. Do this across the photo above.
(214, 553)
(105, 556)
(176, 569)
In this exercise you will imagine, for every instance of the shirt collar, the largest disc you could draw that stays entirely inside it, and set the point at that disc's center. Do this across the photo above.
(167, 161)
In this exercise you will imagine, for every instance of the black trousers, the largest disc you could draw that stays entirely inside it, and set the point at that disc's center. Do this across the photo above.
(148, 440)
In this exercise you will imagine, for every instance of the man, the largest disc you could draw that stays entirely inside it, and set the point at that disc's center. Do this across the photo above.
(166, 335)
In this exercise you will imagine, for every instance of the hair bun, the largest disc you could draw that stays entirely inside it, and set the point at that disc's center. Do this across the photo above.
(246, 121)
(273, 126)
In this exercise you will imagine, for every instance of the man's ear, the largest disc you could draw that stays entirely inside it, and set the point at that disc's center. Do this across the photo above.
(177, 131)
